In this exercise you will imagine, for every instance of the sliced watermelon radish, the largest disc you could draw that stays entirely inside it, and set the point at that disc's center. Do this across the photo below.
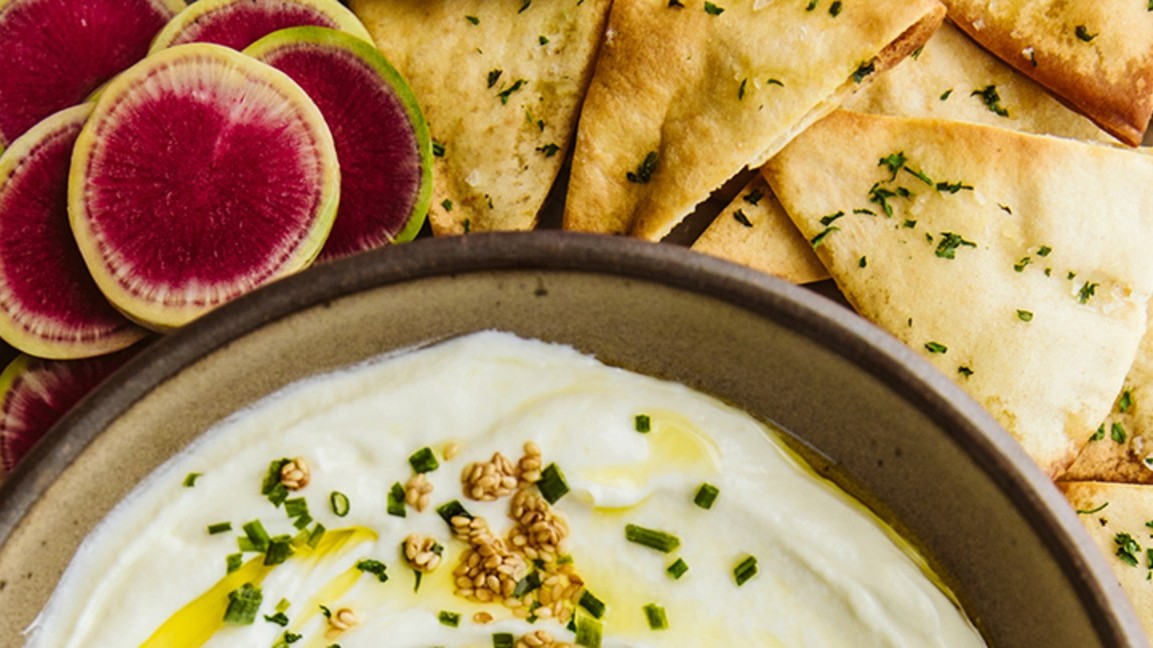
(239, 23)
(381, 137)
(49, 305)
(201, 175)
(54, 53)
(36, 393)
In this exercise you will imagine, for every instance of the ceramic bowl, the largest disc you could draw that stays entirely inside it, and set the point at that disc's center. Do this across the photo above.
(868, 412)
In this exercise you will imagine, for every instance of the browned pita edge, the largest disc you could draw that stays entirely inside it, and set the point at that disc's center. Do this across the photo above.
(1117, 517)
(1048, 384)
(1121, 450)
(1119, 101)
(499, 145)
(651, 63)
(755, 231)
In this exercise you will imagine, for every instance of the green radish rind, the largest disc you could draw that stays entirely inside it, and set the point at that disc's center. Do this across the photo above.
(341, 15)
(371, 56)
(170, 311)
(28, 330)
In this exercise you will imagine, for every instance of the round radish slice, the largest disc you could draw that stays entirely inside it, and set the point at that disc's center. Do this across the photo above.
(239, 23)
(54, 53)
(382, 140)
(36, 393)
(201, 175)
(49, 305)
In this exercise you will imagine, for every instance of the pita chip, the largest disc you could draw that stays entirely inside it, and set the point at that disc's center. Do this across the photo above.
(1017, 264)
(939, 81)
(1096, 55)
(1121, 449)
(684, 97)
(500, 84)
(1117, 517)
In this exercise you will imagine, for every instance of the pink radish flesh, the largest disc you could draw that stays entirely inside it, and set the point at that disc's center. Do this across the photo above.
(240, 24)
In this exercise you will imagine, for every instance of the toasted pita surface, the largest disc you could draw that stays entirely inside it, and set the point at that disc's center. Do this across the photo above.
(501, 85)
(1118, 518)
(1095, 55)
(1121, 450)
(939, 81)
(684, 97)
(1017, 264)
(754, 230)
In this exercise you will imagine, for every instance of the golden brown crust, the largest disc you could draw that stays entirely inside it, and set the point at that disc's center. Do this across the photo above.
(674, 83)
(1004, 277)
(1096, 56)
(501, 144)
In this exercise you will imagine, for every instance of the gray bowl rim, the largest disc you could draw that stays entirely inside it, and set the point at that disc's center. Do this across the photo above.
(801, 310)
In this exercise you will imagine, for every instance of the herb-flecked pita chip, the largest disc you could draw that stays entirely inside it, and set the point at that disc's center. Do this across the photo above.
(1017, 264)
(685, 95)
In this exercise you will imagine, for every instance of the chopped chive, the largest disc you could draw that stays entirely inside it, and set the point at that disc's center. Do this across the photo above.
(243, 604)
(1099, 434)
(1125, 402)
(713, 10)
(740, 216)
(473, 19)
(745, 570)
(706, 495)
(549, 149)
(936, 347)
(504, 94)
(303, 521)
(280, 619)
(339, 503)
(219, 527)
(396, 500)
(271, 488)
(645, 170)
(282, 605)
(1092, 510)
(437, 149)
(494, 76)
(594, 605)
(1117, 432)
(256, 535)
(233, 562)
(190, 479)
(652, 538)
(864, 70)
(279, 550)
(528, 583)
(552, 484)
(656, 616)
(1044, 250)
(678, 568)
(450, 619)
(452, 509)
(325, 611)
(502, 640)
(643, 423)
(423, 460)
(1024, 315)
(374, 567)
(296, 507)
(446, 204)
(1082, 33)
(543, 40)
(315, 535)
(588, 631)
(1127, 548)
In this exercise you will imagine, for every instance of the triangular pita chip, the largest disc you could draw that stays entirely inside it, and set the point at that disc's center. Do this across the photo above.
(500, 84)
(939, 81)
(1096, 55)
(684, 97)
(1017, 264)
(1121, 449)
(1117, 517)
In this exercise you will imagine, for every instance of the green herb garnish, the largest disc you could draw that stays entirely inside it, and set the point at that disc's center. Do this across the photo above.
(950, 241)
(256, 535)
(745, 570)
(552, 484)
(588, 631)
(895, 162)
(549, 150)
(992, 100)
(280, 619)
(279, 550)
(753, 197)
(339, 503)
(446, 204)
(528, 583)
(965, 371)
(396, 500)
(243, 604)
(423, 460)
(953, 187)
(678, 568)
(1024, 315)
(1117, 432)
(1125, 402)
(374, 567)
(505, 639)
(831, 218)
(1127, 548)
(713, 10)
(817, 240)
(740, 217)
(190, 479)
(1092, 510)
(652, 538)
(645, 170)
(473, 19)
(494, 76)
(656, 616)
(504, 94)
(437, 149)
(1099, 434)
(219, 527)
(233, 562)
(706, 495)
(594, 605)
(296, 507)
(452, 509)
(450, 619)
(1082, 33)
(945, 94)
(835, 8)
(864, 70)
(936, 347)
(741, 89)
(315, 535)
(1088, 289)
(643, 423)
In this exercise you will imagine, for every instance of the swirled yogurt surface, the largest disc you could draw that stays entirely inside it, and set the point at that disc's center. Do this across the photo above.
(780, 558)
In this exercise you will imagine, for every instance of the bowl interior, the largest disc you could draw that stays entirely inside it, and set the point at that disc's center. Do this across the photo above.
(871, 414)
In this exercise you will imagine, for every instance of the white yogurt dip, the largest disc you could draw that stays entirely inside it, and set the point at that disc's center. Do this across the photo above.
(827, 573)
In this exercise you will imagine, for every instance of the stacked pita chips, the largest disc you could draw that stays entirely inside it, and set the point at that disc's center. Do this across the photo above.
(973, 200)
